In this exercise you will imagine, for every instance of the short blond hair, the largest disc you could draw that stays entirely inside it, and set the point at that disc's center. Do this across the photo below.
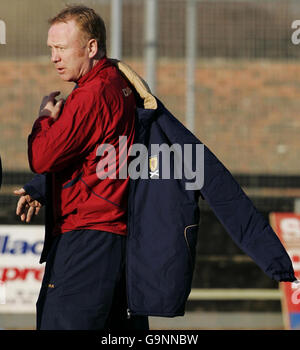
(88, 22)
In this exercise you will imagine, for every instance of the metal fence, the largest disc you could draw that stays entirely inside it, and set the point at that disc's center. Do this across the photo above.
(218, 65)
(227, 69)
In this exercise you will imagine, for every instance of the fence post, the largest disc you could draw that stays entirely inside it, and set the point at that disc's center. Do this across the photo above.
(297, 205)
(2, 33)
(191, 53)
(116, 29)
(151, 42)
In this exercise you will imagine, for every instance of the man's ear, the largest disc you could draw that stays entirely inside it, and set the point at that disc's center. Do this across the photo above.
(93, 48)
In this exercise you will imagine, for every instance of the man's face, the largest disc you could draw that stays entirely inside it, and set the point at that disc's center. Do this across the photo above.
(69, 51)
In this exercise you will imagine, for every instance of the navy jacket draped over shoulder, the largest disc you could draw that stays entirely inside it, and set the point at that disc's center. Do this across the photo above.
(163, 215)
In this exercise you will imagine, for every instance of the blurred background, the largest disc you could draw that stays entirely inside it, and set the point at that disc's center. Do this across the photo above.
(230, 72)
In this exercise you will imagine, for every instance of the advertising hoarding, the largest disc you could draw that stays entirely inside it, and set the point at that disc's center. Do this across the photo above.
(287, 228)
(20, 271)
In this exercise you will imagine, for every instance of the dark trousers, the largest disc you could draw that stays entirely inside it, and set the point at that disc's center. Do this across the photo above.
(84, 285)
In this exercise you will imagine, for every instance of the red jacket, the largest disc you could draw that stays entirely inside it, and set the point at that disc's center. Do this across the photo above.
(98, 111)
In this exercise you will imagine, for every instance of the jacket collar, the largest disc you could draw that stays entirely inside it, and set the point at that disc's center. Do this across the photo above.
(141, 87)
(103, 63)
(150, 103)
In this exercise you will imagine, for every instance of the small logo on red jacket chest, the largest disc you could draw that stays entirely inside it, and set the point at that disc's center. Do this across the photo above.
(127, 91)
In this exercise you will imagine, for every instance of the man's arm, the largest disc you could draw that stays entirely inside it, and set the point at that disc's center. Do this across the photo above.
(36, 188)
(57, 141)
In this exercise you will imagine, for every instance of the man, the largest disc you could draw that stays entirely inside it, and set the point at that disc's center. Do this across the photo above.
(84, 285)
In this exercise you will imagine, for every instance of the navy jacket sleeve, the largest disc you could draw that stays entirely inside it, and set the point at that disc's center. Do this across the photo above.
(247, 227)
(234, 209)
(37, 188)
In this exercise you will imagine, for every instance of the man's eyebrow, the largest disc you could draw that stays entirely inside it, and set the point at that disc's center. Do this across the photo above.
(56, 45)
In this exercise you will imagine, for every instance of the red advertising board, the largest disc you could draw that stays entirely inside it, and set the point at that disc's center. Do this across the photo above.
(287, 228)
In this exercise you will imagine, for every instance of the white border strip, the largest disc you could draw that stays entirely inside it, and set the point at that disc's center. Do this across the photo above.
(235, 294)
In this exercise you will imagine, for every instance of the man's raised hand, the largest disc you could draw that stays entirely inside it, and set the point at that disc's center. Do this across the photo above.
(50, 107)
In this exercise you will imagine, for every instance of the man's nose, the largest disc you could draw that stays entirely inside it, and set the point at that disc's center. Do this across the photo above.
(55, 57)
